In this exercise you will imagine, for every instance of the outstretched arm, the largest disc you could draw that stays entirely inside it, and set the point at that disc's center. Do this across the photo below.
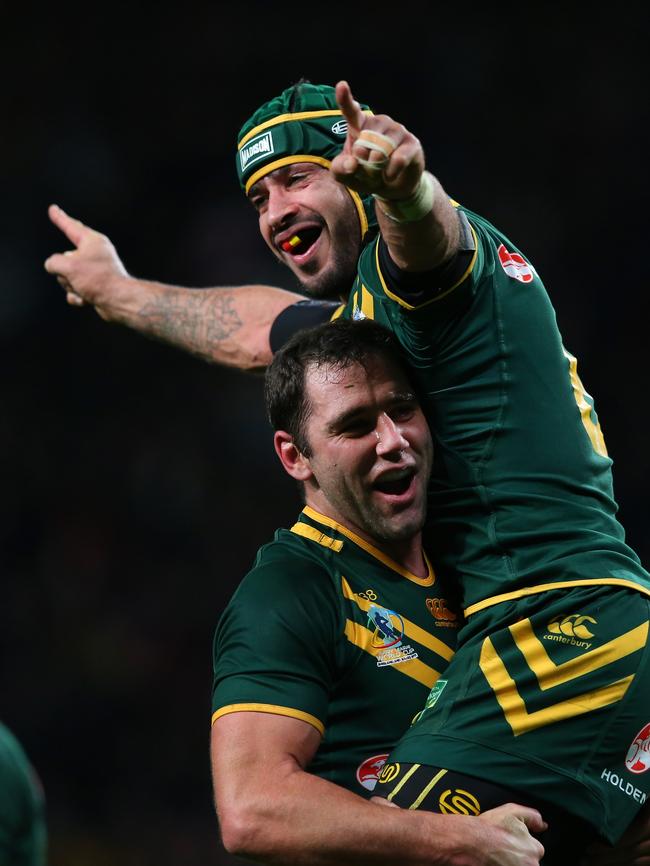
(227, 325)
(270, 809)
(381, 157)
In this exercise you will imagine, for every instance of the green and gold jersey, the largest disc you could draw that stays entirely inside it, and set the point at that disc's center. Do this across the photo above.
(521, 493)
(23, 833)
(327, 629)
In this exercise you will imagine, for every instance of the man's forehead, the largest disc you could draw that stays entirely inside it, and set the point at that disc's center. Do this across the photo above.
(279, 173)
(332, 381)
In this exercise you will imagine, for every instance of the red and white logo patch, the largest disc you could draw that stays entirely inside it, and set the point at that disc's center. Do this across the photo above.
(515, 265)
(368, 772)
(637, 759)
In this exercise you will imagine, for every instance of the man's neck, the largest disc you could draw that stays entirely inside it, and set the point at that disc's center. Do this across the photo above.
(408, 554)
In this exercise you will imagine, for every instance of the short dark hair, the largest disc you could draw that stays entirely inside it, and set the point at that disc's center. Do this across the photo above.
(340, 344)
(296, 96)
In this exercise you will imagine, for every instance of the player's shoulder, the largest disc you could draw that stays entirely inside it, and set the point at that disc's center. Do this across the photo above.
(287, 584)
(286, 564)
(485, 233)
(474, 218)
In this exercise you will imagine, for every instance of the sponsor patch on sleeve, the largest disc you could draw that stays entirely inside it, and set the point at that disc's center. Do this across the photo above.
(515, 265)
(368, 771)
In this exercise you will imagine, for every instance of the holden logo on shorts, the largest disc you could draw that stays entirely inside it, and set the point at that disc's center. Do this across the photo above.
(340, 127)
(368, 772)
(637, 759)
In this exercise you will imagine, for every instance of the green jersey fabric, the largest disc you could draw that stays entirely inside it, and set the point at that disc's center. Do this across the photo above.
(521, 493)
(327, 629)
(23, 834)
(548, 696)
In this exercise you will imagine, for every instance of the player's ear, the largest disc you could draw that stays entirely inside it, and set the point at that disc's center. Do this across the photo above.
(291, 457)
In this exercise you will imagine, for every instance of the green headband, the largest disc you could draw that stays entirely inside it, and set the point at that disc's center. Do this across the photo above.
(303, 124)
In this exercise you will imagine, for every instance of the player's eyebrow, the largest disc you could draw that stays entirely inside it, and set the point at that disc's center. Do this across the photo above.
(282, 173)
(346, 418)
(255, 189)
(340, 422)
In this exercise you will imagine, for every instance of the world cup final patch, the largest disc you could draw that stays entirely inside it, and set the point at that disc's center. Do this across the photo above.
(387, 637)
(515, 265)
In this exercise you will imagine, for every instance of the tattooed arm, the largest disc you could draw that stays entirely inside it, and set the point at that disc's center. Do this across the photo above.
(224, 325)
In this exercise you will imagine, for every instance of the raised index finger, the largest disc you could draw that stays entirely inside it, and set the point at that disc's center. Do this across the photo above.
(350, 107)
(71, 228)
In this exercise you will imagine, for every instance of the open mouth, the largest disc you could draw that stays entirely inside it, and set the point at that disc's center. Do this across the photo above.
(395, 483)
(302, 241)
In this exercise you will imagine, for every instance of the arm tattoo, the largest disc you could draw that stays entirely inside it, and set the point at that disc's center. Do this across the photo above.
(194, 320)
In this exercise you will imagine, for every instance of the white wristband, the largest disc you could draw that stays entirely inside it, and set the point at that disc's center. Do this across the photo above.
(412, 209)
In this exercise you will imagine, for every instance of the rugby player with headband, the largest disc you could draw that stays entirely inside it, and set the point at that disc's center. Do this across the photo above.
(544, 696)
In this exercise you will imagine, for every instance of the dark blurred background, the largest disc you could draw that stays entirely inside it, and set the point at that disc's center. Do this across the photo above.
(138, 482)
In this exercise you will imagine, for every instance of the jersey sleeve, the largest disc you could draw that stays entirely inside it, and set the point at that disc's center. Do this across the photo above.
(417, 288)
(275, 645)
(303, 314)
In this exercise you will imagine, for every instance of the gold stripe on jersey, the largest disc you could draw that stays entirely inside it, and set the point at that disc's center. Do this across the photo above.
(337, 313)
(362, 637)
(423, 793)
(410, 628)
(561, 584)
(316, 535)
(273, 710)
(403, 780)
(373, 551)
(367, 303)
(593, 429)
(514, 707)
(549, 674)
(438, 297)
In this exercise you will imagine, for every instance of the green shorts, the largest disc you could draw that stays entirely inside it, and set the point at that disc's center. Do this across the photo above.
(550, 695)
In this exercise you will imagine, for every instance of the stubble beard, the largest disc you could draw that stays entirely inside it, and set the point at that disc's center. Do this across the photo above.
(334, 282)
(385, 530)
(381, 527)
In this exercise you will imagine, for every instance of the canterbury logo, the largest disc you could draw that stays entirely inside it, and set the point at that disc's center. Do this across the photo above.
(572, 626)
(459, 802)
(551, 674)
(438, 608)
